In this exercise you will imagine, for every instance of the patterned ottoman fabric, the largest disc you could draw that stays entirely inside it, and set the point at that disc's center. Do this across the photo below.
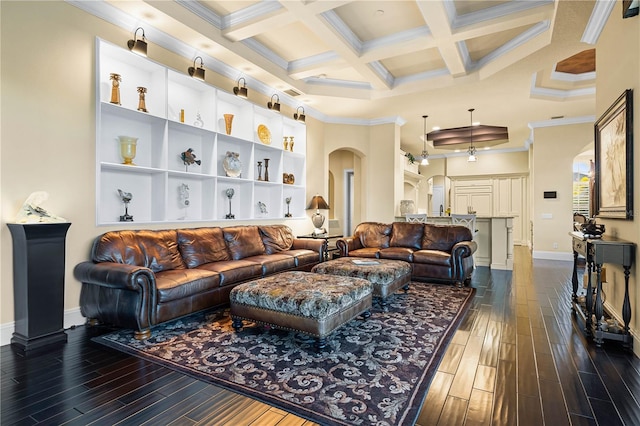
(387, 276)
(314, 304)
(302, 293)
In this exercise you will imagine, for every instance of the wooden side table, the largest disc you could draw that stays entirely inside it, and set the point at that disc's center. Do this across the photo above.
(330, 240)
(38, 284)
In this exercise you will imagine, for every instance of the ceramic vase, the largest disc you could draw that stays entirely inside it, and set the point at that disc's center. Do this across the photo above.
(407, 207)
(290, 143)
(228, 121)
(128, 149)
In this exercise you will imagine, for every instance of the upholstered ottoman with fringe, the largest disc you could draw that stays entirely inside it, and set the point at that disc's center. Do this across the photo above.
(386, 276)
(315, 304)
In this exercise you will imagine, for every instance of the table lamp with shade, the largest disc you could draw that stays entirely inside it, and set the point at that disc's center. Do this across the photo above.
(317, 203)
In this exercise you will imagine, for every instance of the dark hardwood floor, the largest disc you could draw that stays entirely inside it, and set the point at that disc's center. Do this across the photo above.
(517, 359)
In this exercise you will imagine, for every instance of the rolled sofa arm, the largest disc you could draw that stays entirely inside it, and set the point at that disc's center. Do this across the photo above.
(464, 249)
(117, 293)
(346, 244)
(318, 245)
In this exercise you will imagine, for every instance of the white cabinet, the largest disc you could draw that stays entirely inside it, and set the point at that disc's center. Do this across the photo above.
(475, 195)
(184, 114)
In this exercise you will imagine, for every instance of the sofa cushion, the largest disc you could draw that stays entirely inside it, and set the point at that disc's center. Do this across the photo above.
(180, 283)
(202, 245)
(397, 253)
(365, 252)
(276, 238)
(373, 234)
(405, 234)
(444, 237)
(303, 256)
(243, 241)
(432, 257)
(234, 271)
(156, 250)
(272, 263)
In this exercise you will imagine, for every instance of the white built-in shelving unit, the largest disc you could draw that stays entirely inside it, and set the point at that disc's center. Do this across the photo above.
(159, 172)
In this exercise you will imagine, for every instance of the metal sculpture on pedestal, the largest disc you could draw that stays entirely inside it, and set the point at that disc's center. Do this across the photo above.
(229, 192)
(288, 201)
(126, 199)
(189, 158)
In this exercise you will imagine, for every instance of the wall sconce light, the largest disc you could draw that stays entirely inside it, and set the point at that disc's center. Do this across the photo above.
(317, 203)
(472, 149)
(274, 106)
(136, 45)
(425, 153)
(241, 91)
(299, 117)
(195, 71)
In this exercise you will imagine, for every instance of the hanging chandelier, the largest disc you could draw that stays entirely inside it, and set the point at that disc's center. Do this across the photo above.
(472, 149)
(425, 153)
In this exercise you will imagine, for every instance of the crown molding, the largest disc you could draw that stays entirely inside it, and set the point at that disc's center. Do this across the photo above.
(597, 21)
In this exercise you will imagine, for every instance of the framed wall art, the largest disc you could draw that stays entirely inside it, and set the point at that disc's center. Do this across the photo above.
(614, 160)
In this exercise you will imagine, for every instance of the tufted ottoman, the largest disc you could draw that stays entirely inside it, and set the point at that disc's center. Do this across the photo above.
(314, 304)
(387, 276)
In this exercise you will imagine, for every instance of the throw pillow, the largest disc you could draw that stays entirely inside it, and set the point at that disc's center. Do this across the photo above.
(276, 238)
(202, 245)
(243, 241)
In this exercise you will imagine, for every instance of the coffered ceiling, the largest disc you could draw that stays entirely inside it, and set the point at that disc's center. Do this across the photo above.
(367, 62)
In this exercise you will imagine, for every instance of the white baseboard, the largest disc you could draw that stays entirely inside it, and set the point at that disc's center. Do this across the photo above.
(71, 317)
(552, 255)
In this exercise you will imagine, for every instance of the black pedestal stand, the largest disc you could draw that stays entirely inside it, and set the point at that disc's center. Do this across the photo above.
(38, 284)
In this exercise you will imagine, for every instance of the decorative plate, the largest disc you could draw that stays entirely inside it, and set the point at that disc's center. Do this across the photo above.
(264, 134)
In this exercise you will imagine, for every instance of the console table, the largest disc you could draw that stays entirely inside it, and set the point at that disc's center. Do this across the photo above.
(598, 251)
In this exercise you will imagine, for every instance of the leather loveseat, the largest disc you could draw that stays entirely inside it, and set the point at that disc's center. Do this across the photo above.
(435, 252)
(137, 279)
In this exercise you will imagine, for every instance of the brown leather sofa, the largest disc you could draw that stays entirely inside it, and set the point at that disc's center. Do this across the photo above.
(436, 252)
(137, 279)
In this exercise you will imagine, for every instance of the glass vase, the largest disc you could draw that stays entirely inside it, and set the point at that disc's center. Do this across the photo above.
(128, 149)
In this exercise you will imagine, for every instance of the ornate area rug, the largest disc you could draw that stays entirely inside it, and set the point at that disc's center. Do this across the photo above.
(373, 372)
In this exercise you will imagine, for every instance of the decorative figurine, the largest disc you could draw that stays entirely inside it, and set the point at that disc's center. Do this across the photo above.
(198, 122)
(288, 201)
(259, 170)
(141, 101)
(126, 198)
(115, 88)
(232, 164)
(263, 207)
(183, 191)
(189, 158)
(266, 170)
(184, 194)
(291, 143)
(230, 193)
(285, 143)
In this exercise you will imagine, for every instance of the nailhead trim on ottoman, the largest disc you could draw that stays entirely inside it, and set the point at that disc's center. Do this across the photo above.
(315, 304)
(387, 276)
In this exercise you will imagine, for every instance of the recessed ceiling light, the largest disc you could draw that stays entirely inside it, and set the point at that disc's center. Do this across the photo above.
(435, 128)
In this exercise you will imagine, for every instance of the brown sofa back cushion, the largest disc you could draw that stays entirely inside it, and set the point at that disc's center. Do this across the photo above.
(405, 234)
(243, 241)
(444, 237)
(156, 250)
(276, 238)
(373, 234)
(202, 245)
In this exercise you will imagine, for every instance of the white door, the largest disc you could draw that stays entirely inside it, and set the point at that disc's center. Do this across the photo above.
(437, 201)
